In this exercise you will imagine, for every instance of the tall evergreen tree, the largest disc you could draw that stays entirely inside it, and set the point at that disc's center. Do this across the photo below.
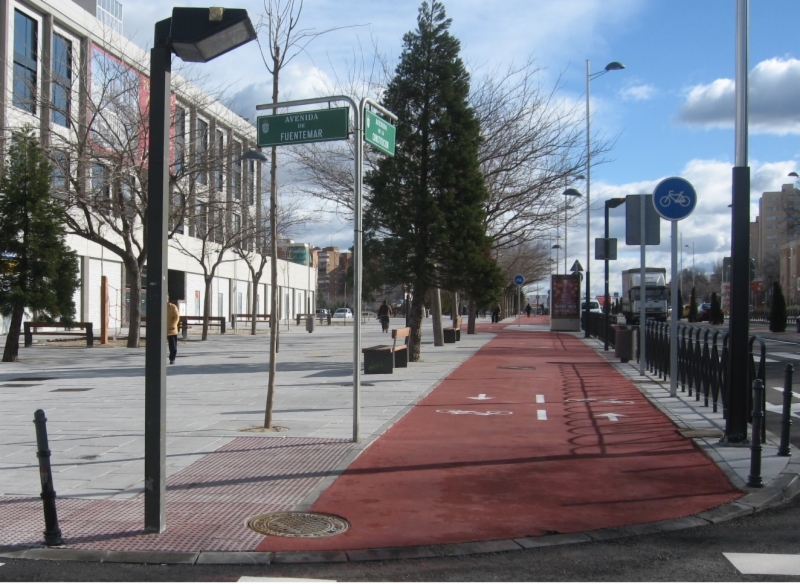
(424, 221)
(693, 306)
(39, 272)
(777, 316)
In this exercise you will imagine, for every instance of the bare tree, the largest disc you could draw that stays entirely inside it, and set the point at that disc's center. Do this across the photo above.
(99, 153)
(284, 41)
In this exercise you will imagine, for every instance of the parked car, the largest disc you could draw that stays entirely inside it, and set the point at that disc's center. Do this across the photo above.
(594, 306)
(703, 311)
(323, 311)
(342, 314)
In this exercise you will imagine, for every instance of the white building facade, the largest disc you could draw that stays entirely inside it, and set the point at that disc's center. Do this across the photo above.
(64, 66)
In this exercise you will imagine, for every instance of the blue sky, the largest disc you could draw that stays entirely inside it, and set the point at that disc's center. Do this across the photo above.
(670, 110)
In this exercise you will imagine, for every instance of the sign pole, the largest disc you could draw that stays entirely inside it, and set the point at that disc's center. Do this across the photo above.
(673, 321)
(642, 284)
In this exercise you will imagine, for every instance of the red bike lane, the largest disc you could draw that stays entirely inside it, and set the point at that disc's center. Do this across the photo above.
(534, 434)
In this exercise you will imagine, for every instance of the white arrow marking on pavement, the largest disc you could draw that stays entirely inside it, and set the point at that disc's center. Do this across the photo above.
(604, 401)
(541, 414)
(766, 564)
(481, 396)
(490, 413)
(612, 417)
(539, 399)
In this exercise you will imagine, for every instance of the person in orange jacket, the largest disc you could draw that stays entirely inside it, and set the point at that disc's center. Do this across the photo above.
(173, 318)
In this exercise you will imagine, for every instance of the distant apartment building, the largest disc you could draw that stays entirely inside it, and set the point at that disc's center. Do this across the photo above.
(332, 279)
(775, 240)
(67, 71)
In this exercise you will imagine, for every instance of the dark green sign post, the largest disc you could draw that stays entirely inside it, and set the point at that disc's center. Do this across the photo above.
(321, 125)
(379, 133)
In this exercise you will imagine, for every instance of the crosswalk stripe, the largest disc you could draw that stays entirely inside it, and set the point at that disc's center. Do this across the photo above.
(267, 579)
(541, 414)
(766, 564)
(539, 399)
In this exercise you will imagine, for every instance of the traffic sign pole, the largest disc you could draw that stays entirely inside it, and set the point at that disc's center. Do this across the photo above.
(674, 199)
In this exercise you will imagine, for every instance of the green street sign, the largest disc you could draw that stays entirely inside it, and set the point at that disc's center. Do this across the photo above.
(379, 133)
(322, 125)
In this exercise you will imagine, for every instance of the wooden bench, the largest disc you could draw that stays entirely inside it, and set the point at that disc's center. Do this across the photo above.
(384, 358)
(453, 333)
(67, 330)
(249, 318)
(185, 321)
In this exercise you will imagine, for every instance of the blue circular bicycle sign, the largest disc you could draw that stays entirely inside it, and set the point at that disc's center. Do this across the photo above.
(519, 279)
(674, 198)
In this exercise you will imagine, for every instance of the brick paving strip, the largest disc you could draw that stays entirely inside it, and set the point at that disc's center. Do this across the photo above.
(208, 502)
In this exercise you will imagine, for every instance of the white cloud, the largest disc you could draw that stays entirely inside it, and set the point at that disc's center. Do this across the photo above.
(774, 108)
(638, 92)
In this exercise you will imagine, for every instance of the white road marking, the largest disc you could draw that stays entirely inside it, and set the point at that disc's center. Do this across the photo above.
(768, 360)
(612, 417)
(766, 564)
(490, 413)
(786, 355)
(602, 401)
(541, 414)
(481, 396)
(795, 410)
(539, 399)
(794, 393)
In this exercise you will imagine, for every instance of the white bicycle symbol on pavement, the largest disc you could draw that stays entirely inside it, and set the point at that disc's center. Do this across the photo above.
(678, 198)
(490, 413)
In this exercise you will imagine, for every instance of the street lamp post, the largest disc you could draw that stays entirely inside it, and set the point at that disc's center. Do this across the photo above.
(613, 66)
(569, 193)
(610, 204)
(692, 246)
(196, 35)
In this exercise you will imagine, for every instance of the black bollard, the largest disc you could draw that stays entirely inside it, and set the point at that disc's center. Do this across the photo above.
(52, 533)
(755, 479)
(785, 449)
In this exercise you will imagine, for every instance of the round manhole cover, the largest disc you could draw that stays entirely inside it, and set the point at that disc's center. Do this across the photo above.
(514, 367)
(298, 524)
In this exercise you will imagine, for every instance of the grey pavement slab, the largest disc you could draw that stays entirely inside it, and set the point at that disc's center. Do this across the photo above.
(96, 435)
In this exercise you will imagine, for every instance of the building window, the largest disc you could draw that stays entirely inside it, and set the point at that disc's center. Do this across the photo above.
(62, 80)
(25, 58)
(202, 149)
(101, 187)
(109, 12)
(236, 224)
(220, 160)
(236, 174)
(180, 140)
(59, 179)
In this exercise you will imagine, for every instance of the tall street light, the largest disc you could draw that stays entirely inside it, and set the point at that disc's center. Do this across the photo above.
(610, 204)
(569, 193)
(557, 247)
(692, 246)
(196, 35)
(613, 66)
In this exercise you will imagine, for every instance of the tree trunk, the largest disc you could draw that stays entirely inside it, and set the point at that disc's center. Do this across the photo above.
(207, 308)
(454, 310)
(254, 303)
(472, 314)
(436, 307)
(135, 306)
(273, 226)
(11, 352)
(415, 323)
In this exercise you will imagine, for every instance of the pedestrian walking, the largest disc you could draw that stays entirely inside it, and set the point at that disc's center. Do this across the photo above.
(496, 314)
(383, 316)
(173, 318)
(528, 310)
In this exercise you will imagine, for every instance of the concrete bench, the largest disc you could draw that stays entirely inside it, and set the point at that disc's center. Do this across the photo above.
(64, 330)
(384, 358)
(453, 333)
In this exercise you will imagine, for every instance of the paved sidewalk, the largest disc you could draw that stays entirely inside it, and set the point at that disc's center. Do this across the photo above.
(514, 437)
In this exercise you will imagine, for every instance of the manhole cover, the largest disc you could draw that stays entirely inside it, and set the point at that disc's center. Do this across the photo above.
(71, 389)
(514, 367)
(298, 524)
(362, 384)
